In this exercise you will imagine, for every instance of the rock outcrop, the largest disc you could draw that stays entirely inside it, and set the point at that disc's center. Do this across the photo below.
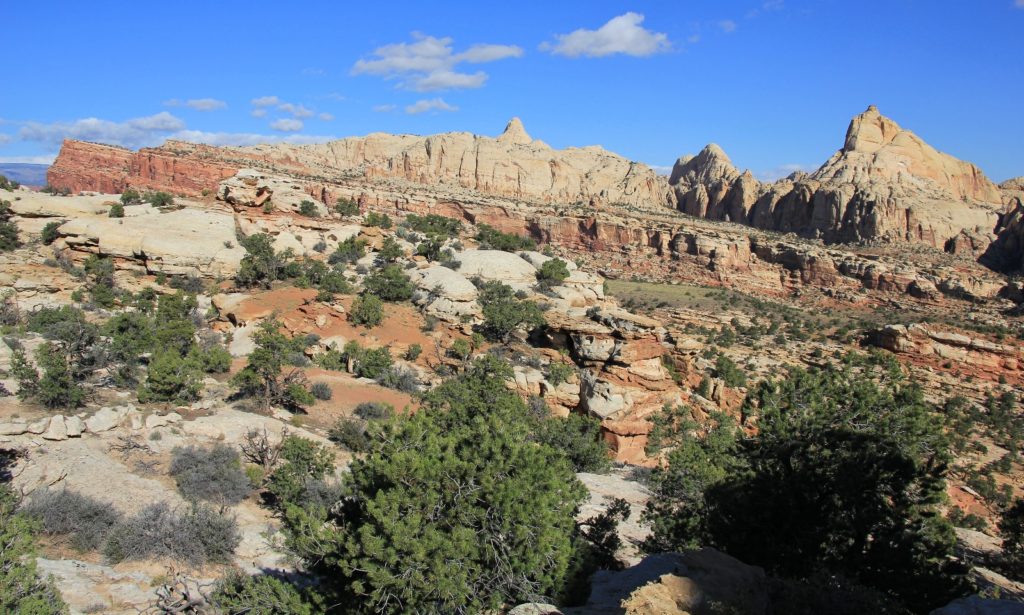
(512, 166)
(679, 583)
(975, 355)
(885, 184)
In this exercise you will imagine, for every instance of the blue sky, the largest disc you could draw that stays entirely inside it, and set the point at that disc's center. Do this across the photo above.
(774, 82)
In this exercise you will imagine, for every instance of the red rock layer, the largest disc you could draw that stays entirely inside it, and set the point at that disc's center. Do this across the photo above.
(105, 168)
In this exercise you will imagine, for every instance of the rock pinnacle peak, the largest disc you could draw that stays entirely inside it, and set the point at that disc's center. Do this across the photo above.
(515, 133)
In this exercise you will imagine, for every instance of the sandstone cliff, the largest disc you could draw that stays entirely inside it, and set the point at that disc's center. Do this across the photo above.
(512, 166)
(885, 184)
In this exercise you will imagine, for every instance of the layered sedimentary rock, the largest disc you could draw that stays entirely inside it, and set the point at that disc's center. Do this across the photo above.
(884, 184)
(930, 345)
(176, 167)
(512, 166)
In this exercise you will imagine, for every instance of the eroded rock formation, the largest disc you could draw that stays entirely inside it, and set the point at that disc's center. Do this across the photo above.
(885, 184)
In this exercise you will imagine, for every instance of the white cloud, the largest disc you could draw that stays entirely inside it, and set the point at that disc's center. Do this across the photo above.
(242, 138)
(313, 72)
(434, 104)
(449, 80)
(622, 34)
(480, 54)
(287, 125)
(1019, 4)
(147, 131)
(205, 104)
(199, 104)
(136, 132)
(384, 108)
(295, 110)
(265, 101)
(335, 96)
(428, 63)
(258, 112)
(5, 139)
(727, 25)
(46, 159)
(326, 117)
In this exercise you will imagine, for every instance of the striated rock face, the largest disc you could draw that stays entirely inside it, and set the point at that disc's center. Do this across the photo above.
(176, 167)
(512, 165)
(926, 344)
(884, 184)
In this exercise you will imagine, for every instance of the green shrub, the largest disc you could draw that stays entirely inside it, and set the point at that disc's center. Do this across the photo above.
(210, 474)
(434, 226)
(389, 252)
(84, 520)
(491, 238)
(57, 386)
(214, 360)
(579, 438)
(375, 219)
(404, 494)
(348, 251)
(116, 211)
(159, 199)
(350, 434)
(390, 284)
(8, 229)
(559, 372)
(728, 371)
(49, 233)
(346, 207)
(8, 184)
(367, 310)
(309, 209)
(304, 464)
(503, 313)
(844, 475)
(262, 265)
(261, 594)
(171, 378)
(25, 374)
(413, 352)
(373, 362)
(460, 349)
(22, 588)
(130, 196)
(552, 273)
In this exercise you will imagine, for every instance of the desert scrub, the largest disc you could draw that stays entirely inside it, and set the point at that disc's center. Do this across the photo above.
(197, 535)
(84, 520)
(212, 474)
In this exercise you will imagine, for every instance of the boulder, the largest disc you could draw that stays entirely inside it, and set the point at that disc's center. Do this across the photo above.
(497, 265)
(670, 583)
(13, 428)
(105, 419)
(38, 427)
(74, 425)
(57, 429)
(445, 283)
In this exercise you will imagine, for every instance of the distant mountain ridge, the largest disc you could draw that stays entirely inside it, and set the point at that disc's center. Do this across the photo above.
(885, 184)
(25, 173)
